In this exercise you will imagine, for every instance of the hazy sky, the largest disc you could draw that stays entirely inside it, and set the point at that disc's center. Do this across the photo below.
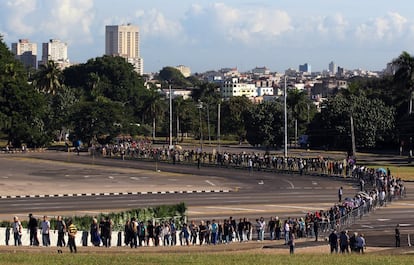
(207, 35)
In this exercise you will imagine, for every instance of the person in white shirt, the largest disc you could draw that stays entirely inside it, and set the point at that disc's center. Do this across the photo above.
(287, 232)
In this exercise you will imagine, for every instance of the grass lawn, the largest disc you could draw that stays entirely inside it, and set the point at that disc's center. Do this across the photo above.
(237, 258)
(403, 172)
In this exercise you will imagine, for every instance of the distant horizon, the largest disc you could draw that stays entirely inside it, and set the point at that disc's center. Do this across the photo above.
(205, 35)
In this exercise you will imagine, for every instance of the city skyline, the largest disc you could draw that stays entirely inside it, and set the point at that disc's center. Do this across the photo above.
(206, 35)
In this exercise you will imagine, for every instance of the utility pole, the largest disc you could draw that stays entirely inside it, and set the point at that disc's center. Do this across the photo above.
(286, 132)
(170, 98)
(218, 127)
(353, 136)
(200, 106)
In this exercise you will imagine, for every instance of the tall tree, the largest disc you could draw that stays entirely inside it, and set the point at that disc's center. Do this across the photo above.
(173, 76)
(48, 78)
(302, 110)
(264, 124)
(98, 121)
(154, 108)
(404, 77)
(22, 108)
(233, 116)
(373, 121)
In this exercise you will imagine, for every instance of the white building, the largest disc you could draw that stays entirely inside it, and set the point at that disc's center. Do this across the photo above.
(57, 51)
(264, 91)
(185, 70)
(124, 41)
(25, 52)
(232, 88)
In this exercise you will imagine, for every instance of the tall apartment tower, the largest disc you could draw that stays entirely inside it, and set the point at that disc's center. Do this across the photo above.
(305, 68)
(332, 68)
(123, 40)
(57, 51)
(25, 52)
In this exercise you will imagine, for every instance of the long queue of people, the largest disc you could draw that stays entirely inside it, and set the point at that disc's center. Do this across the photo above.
(139, 233)
(143, 149)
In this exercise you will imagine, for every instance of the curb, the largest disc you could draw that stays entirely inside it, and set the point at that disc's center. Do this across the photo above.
(111, 194)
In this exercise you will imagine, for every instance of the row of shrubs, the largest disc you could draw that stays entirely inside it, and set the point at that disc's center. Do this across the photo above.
(158, 213)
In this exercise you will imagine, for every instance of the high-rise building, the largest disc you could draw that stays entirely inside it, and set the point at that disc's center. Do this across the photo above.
(25, 52)
(57, 51)
(332, 68)
(123, 40)
(305, 68)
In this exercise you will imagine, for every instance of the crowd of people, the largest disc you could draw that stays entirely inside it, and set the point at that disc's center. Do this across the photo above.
(143, 149)
(377, 187)
(314, 225)
(62, 229)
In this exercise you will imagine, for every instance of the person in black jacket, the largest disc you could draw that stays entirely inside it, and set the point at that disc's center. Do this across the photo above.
(32, 227)
(397, 236)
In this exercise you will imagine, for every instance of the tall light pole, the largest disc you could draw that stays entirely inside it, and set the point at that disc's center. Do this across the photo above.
(200, 106)
(170, 99)
(218, 127)
(352, 135)
(208, 124)
(285, 109)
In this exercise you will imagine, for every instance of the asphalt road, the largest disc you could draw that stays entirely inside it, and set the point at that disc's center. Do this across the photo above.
(220, 192)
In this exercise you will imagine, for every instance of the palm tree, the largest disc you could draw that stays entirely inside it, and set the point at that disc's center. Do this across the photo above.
(154, 107)
(178, 107)
(48, 78)
(404, 76)
(299, 104)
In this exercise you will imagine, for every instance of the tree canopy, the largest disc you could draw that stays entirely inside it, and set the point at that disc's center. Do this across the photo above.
(22, 108)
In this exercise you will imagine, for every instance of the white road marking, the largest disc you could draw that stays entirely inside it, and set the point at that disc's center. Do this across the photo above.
(314, 183)
(383, 220)
(86, 176)
(367, 226)
(290, 183)
(236, 209)
(211, 183)
(261, 182)
(194, 212)
(110, 177)
(291, 206)
(134, 178)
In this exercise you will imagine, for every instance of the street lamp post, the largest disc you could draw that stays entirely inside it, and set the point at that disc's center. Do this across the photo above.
(200, 106)
(218, 127)
(170, 99)
(208, 124)
(285, 110)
